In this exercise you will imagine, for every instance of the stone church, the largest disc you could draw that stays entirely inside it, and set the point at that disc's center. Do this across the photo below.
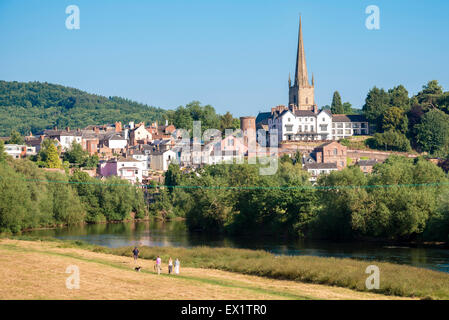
(301, 120)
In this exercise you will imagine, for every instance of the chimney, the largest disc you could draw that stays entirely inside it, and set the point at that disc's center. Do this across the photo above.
(166, 122)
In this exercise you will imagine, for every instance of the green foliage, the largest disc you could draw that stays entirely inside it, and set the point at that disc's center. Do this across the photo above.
(394, 118)
(35, 106)
(389, 140)
(15, 138)
(211, 200)
(2, 151)
(31, 197)
(76, 154)
(376, 103)
(432, 134)
(391, 212)
(183, 117)
(52, 157)
(336, 105)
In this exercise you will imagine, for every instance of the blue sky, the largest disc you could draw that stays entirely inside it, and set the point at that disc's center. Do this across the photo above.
(235, 54)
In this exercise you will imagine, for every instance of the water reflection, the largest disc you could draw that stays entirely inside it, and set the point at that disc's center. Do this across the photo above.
(175, 234)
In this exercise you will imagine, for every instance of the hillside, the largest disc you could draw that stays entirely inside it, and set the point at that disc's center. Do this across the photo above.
(35, 106)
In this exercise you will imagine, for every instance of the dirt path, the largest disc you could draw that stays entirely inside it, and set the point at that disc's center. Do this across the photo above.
(36, 270)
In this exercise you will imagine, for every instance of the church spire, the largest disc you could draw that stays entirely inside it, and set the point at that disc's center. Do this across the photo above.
(301, 77)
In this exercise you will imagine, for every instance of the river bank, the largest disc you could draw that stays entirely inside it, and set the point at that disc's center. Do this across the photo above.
(36, 270)
(396, 280)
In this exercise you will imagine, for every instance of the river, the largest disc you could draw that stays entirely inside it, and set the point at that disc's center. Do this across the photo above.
(175, 234)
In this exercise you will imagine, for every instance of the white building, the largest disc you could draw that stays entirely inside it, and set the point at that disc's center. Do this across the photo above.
(304, 125)
(19, 151)
(316, 169)
(116, 141)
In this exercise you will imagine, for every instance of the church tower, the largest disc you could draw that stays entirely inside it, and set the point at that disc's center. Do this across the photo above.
(301, 93)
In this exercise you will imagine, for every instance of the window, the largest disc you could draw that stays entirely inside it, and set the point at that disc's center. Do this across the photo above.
(288, 119)
(307, 100)
(348, 125)
(323, 127)
(288, 127)
(339, 125)
(306, 127)
(348, 131)
(311, 128)
(311, 119)
(335, 151)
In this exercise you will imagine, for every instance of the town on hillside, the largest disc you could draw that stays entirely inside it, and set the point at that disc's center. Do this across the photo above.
(141, 153)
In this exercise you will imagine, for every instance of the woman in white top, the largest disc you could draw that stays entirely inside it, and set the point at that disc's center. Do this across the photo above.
(177, 266)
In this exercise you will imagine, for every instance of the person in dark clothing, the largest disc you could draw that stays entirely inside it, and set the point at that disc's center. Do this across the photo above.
(135, 254)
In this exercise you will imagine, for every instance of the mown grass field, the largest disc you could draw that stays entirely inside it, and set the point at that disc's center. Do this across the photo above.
(36, 270)
(206, 273)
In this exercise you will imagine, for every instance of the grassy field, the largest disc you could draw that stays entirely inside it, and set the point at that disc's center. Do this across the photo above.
(36, 270)
(207, 273)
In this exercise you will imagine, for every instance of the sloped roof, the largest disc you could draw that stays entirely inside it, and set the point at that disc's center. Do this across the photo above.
(348, 118)
(316, 165)
(262, 117)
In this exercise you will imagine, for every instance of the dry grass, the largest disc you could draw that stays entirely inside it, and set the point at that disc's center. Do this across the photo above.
(36, 270)
(399, 280)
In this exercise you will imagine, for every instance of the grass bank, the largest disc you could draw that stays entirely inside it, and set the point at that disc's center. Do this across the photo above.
(395, 279)
(37, 270)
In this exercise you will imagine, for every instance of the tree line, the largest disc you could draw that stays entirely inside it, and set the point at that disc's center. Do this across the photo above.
(402, 199)
(31, 197)
(35, 106)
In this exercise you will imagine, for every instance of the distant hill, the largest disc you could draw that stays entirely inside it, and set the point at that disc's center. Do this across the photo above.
(35, 106)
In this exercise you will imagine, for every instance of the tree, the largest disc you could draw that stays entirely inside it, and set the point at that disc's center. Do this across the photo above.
(76, 155)
(376, 103)
(336, 106)
(2, 151)
(16, 138)
(432, 134)
(394, 118)
(347, 108)
(399, 98)
(53, 160)
(389, 140)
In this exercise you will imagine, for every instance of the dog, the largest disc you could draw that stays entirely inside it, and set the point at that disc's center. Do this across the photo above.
(137, 269)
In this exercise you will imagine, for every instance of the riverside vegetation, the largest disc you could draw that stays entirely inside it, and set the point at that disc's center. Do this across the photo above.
(403, 199)
(31, 197)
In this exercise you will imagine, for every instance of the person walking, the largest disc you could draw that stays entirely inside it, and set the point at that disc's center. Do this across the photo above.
(135, 254)
(177, 266)
(158, 264)
(170, 266)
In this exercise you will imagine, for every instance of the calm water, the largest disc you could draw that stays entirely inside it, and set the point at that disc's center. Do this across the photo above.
(175, 234)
